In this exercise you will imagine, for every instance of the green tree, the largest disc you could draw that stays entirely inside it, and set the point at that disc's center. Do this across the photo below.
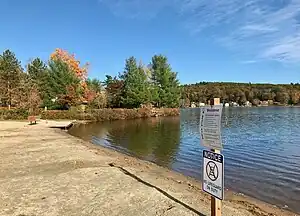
(249, 95)
(28, 96)
(282, 97)
(63, 85)
(96, 97)
(295, 96)
(108, 80)
(215, 92)
(94, 84)
(10, 77)
(36, 70)
(136, 86)
(165, 81)
(114, 90)
(241, 97)
(38, 75)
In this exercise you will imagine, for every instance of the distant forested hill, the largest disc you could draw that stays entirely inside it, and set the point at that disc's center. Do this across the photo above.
(242, 92)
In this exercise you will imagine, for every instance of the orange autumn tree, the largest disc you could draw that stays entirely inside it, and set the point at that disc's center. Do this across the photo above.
(80, 72)
(72, 62)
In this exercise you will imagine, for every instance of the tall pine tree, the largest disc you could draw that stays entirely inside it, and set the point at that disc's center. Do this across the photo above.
(10, 77)
(36, 70)
(165, 81)
(38, 75)
(136, 86)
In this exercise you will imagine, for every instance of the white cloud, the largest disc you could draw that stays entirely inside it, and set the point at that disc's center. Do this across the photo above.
(284, 49)
(249, 62)
(258, 28)
(266, 29)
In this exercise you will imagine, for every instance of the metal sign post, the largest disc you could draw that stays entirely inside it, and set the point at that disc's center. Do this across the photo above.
(210, 132)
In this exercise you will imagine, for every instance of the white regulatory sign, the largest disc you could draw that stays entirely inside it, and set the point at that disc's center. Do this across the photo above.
(213, 174)
(210, 126)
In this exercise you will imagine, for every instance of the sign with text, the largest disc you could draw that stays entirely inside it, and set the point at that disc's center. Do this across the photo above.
(213, 174)
(210, 126)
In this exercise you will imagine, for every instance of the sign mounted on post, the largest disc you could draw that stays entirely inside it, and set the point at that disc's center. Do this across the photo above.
(213, 174)
(210, 126)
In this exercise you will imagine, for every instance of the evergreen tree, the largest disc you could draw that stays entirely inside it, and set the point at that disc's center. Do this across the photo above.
(165, 81)
(136, 87)
(10, 76)
(36, 70)
(38, 75)
(108, 80)
(94, 94)
(114, 90)
(63, 85)
(94, 84)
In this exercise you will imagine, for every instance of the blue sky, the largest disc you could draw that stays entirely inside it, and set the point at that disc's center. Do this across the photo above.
(204, 40)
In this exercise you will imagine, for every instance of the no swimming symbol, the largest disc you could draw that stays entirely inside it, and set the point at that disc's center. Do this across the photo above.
(212, 171)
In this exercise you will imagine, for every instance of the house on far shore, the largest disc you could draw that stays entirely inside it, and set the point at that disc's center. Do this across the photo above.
(248, 104)
(264, 103)
(234, 104)
(226, 105)
(201, 104)
(193, 105)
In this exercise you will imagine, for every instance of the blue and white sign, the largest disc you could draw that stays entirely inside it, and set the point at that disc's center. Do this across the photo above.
(213, 174)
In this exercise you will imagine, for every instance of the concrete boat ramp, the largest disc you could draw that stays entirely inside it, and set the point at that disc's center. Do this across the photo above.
(64, 124)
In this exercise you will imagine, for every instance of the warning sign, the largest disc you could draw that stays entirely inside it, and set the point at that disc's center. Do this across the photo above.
(210, 126)
(213, 174)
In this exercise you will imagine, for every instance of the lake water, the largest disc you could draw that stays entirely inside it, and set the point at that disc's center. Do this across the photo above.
(261, 148)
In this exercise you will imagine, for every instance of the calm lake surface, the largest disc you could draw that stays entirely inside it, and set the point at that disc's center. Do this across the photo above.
(261, 148)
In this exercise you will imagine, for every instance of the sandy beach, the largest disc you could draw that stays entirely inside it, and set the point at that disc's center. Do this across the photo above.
(46, 171)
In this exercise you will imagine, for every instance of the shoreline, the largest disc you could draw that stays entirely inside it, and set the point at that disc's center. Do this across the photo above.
(79, 160)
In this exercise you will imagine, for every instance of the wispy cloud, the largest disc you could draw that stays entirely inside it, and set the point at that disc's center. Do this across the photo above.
(266, 29)
(258, 28)
(249, 62)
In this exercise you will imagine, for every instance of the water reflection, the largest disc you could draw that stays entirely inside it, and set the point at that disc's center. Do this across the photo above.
(152, 139)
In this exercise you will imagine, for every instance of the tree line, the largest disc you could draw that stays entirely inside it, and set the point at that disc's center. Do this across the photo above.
(242, 92)
(62, 82)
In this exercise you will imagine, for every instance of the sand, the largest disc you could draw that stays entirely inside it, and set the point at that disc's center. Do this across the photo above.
(46, 171)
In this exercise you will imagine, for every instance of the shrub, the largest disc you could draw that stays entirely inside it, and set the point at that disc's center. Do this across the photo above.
(109, 114)
(58, 114)
(13, 114)
(90, 114)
